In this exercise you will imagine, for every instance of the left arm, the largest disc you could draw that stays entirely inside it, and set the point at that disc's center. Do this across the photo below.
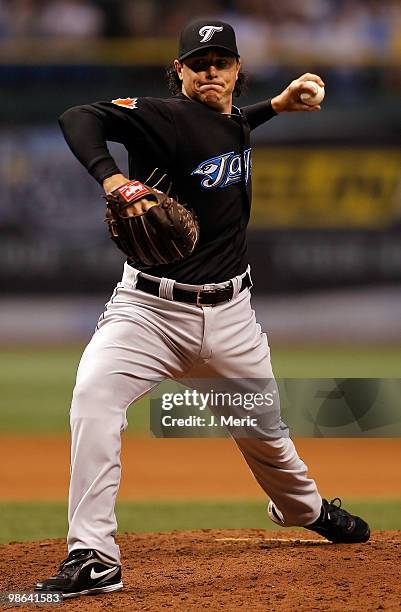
(258, 113)
(287, 101)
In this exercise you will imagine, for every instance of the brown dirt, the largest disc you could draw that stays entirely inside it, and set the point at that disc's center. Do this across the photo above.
(186, 469)
(230, 570)
(209, 569)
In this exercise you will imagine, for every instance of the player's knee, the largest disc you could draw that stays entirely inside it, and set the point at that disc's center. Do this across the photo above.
(92, 399)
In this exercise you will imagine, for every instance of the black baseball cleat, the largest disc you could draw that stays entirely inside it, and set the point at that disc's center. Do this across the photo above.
(334, 523)
(338, 525)
(82, 573)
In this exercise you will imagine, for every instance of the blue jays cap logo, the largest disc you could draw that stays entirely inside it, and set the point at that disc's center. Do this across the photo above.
(207, 32)
(201, 34)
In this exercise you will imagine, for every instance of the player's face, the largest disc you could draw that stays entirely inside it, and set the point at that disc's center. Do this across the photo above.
(210, 77)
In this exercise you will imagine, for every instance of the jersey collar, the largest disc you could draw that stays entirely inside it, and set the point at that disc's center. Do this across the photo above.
(234, 109)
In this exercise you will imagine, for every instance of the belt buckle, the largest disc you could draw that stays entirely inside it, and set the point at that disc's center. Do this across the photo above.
(198, 297)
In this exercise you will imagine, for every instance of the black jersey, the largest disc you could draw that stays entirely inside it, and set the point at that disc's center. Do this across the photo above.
(205, 154)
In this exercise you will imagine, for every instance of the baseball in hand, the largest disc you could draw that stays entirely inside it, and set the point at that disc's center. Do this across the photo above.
(313, 99)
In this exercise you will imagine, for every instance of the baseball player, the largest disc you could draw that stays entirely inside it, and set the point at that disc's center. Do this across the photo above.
(183, 314)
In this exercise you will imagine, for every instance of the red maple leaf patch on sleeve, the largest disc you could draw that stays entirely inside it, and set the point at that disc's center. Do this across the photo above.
(126, 102)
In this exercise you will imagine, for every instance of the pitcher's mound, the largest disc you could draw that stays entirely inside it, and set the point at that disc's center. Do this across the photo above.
(229, 570)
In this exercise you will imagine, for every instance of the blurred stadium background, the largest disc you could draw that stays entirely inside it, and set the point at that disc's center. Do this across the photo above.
(324, 241)
(327, 188)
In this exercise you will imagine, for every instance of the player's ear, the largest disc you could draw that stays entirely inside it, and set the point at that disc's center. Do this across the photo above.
(178, 68)
(238, 68)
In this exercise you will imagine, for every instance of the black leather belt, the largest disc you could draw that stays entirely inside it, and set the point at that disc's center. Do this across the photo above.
(200, 297)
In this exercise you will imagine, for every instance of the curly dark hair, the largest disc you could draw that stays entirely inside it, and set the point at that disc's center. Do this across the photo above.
(175, 84)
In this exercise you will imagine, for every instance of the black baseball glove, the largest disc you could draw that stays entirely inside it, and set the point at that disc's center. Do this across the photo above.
(165, 233)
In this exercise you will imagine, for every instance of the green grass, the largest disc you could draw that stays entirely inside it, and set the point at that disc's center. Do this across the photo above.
(36, 388)
(337, 361)
(36, 384)
(25, 521)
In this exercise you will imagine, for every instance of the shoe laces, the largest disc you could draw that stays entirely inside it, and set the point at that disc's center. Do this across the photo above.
(337, 515)
(68, 566)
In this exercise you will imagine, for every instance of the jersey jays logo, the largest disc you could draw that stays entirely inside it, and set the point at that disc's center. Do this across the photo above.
(207, 32)
(223, 170)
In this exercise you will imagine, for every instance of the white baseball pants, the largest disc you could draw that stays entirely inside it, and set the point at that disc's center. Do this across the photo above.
(141, 340)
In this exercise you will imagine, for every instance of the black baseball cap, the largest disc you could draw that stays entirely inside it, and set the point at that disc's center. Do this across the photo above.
(205, 33)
